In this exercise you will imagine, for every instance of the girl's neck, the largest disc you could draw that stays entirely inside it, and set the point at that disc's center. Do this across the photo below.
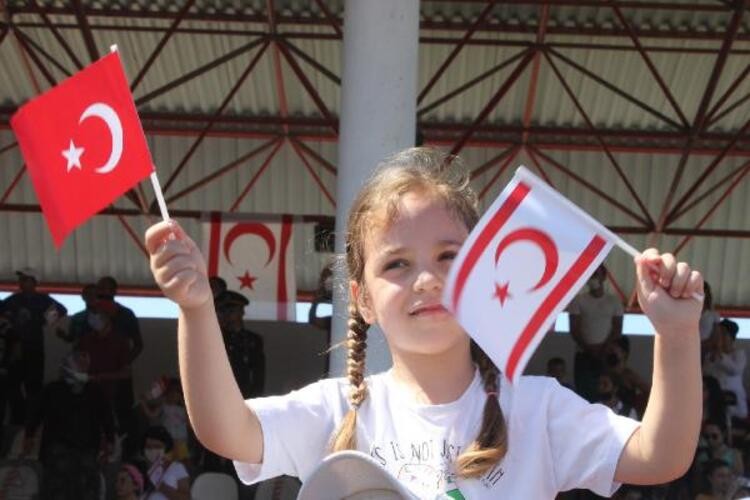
(435, 378)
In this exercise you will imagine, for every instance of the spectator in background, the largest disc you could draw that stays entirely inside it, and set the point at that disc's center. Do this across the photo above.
(29, 311)
(609, 388)
(244, 348)
(6, 339)
(714, 405)
(164, 405)
(76, 421)
(634, 390)
(79, 322)
(129, 485)
(727, 363)
(109, 354)
(716, 448)
(595, 321)
(167, 478)
(557, 369)
(125, 325)
(718, 481)
(323, 295)
(217, 284)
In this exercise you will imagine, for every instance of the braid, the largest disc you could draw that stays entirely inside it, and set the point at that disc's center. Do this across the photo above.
(491, 444)
(356, 343)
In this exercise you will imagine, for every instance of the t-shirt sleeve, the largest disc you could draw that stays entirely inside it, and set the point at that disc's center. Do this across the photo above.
(586, 441)
(297, 428)
(174, 473)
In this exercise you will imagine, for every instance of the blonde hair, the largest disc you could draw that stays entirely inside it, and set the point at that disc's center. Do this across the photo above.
(436, 174)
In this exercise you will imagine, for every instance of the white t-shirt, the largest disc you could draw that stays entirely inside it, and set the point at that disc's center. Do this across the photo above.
(175, 471)
(557, 441)
(596, 315)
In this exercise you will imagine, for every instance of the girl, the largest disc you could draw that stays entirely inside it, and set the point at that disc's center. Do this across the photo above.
(441, 420)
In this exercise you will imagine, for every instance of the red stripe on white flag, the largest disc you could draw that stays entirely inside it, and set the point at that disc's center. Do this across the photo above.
(536, 322)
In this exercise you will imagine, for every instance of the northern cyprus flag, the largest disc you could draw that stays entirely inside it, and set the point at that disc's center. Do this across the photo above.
(524, 261)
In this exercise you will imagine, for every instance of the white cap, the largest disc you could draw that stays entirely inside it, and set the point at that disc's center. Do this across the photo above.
(350, 475)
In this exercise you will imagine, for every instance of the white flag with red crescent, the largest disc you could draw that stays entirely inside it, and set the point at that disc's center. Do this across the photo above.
(256, 259)
(524, 261)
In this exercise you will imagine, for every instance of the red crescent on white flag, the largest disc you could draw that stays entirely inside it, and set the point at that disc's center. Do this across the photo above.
(255, 228)
(543, 241)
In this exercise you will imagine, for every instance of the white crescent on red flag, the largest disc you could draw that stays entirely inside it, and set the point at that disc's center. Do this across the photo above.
(256, 259)
(522, 264)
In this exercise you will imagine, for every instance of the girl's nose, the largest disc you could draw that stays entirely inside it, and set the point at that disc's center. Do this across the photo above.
(428, 280)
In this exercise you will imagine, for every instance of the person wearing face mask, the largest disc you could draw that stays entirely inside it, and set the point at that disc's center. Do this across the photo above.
(109, 355)
(167, 478)
(77, 428)
(595, 321)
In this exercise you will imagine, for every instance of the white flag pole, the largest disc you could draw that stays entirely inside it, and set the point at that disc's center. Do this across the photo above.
(616, 239)
(154, 178)
(159, 196)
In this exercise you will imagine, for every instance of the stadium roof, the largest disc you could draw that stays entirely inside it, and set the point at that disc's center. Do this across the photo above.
(636, 110)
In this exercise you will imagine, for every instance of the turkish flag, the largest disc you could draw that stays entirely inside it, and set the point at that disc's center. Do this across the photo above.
(256, 259)
(524, 261)
(83, 145)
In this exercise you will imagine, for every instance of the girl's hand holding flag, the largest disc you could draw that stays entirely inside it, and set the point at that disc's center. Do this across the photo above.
(177, 265)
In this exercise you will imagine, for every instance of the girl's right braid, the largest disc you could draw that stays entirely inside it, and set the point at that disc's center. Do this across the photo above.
(356, 342)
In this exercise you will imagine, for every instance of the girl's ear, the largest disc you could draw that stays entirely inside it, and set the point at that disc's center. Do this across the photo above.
(360, 298)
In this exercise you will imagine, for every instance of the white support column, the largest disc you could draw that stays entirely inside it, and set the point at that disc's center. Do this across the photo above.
(378, 118)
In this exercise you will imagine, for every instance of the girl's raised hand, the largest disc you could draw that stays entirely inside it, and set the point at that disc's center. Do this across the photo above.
(177, 265)
(665, 293)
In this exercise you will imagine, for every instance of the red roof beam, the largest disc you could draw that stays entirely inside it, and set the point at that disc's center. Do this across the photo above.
(216, 114)
(160, 46)
(601, 81)
(601, 142)
(460, 45)
(531, 96)
(83, 25)
(500, 171)
(715, 206)
(652, 68)
(200, 70)
(314, 174)
(493, 102)
(257, 175)
(471, 83)
(584, 182)
(56, 33)
(223, 170)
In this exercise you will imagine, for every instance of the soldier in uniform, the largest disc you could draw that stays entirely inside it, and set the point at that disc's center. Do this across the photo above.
(244, 348)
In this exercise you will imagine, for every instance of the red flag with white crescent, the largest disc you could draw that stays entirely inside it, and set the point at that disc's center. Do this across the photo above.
(83, 145)
(524, 261)
(256, 259)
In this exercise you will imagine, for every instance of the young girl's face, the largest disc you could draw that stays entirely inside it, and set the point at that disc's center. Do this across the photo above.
(406, 263)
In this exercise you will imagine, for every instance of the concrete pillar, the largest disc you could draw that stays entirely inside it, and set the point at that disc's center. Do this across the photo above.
(378, 118)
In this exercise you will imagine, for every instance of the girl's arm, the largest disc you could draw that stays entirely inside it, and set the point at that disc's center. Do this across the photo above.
(663, 447)
(217, 412)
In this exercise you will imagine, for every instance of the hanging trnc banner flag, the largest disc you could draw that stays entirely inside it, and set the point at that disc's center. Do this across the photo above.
(256, 259)
(524, 261)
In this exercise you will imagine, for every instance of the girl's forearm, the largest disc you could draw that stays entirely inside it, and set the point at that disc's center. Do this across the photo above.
(213, 400)
(671, 423)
